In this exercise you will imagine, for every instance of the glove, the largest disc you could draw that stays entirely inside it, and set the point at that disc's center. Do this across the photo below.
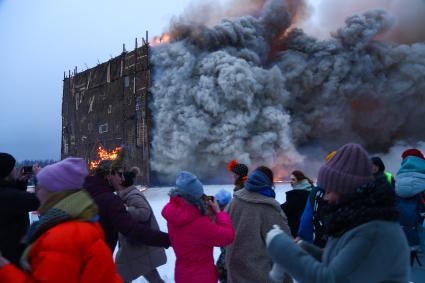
(272, 233)
(277, 274)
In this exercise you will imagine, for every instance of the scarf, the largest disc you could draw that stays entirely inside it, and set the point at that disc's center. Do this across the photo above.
(302, 185)
(373, 201)
(198, 202)
(260, 183)
(71, 205)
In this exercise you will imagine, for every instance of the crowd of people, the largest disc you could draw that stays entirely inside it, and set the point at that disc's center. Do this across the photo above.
(357, 223)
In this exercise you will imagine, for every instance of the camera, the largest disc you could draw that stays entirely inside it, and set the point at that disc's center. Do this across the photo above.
(207, 198)
(27, 170)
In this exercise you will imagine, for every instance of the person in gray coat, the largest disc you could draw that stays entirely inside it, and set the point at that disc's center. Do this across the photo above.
(134, 259)
(366, 243)
(253, 211)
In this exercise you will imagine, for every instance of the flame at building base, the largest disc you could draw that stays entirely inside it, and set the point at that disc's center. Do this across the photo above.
(103, 154)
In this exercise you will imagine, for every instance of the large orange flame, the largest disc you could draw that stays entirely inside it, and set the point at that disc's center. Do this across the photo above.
(164, 38)
(103, 154)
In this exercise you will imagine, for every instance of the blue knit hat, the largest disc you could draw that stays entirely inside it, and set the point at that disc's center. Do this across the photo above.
(188, 183)
(223, 197)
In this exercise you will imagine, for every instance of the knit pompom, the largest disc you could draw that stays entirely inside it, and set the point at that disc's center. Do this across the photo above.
(232, 164)
(135, 171)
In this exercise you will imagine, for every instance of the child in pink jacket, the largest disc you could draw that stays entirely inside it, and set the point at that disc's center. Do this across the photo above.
(194, 232)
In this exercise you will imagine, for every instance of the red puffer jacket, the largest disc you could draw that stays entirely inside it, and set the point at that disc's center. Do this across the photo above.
(70, 252)
(193, 237)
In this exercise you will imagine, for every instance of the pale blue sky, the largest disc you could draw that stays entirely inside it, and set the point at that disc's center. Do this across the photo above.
(40, 39)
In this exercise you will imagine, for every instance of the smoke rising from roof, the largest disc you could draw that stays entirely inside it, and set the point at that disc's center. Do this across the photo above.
(329, 15)
(251, 89)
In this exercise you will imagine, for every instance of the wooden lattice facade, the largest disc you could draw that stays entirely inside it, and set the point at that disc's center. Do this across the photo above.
(108, 106)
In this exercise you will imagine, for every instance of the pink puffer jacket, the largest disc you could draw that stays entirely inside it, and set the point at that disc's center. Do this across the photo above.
(193, 237)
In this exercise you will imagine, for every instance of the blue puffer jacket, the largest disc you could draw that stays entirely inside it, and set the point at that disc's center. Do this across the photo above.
(410, 179)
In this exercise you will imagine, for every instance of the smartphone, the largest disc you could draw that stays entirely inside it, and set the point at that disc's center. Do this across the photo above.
(27, 170)
(207, 198)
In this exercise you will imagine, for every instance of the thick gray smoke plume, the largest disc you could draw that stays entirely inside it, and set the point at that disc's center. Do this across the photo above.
(329, 15)
(244, 89)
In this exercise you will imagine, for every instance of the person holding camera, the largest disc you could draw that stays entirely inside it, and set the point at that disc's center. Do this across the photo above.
(193, 233)
(15, 204)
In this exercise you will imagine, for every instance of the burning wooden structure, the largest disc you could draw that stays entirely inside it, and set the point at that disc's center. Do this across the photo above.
(106, 107)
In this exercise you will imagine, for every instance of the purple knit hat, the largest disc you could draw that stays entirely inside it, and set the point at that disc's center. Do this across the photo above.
(68, 174)
(346, 171)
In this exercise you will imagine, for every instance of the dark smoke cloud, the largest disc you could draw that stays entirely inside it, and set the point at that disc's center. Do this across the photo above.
(240, 90)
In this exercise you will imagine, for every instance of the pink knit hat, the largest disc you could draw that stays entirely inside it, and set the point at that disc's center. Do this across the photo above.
(64, 175)
(347, 170)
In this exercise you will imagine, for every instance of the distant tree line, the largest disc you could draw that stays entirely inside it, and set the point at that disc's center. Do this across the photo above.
(41, 163)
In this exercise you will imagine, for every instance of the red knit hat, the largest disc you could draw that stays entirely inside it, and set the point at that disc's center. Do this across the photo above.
(412, 152)
(347, 170)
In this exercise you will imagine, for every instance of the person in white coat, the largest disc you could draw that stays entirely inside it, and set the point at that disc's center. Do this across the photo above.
(134, 259)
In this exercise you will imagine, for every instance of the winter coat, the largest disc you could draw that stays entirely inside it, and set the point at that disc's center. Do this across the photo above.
(410, 183)
(410, 179)
(67, 245)
(305, 229)
(295, 203)
(253, 215)
(366, 243)
(311, 228)
(114, 217)
(62, 254)
(193, 237)
(134, 260)
(15, 203)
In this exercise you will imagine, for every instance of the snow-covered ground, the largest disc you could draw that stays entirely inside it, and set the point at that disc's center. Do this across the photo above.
(158, 197)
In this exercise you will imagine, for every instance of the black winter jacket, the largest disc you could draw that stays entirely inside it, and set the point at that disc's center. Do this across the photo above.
(114, 217)
(15, 204)
(294, 207)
